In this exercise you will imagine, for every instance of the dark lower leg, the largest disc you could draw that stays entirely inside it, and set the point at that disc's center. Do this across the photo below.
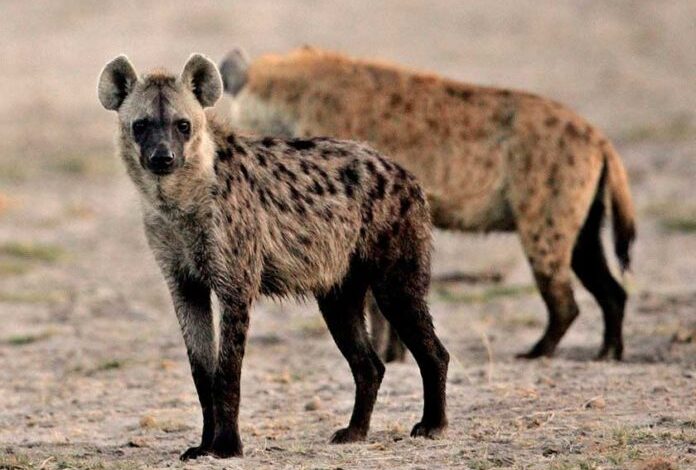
(343, 311)
(203, 381)
(234, 323)
(408, 315)
(591, 268)
(562, 311)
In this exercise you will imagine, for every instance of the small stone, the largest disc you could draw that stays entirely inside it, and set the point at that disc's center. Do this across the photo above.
(597, 403)
(148, 422)
(139, 441)
(313, 404)
(684, 335)
(167, 364)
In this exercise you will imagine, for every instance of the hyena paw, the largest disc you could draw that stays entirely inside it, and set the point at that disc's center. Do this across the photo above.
(541, 349)
(428, 431)
(194, 452)
(227, 447)
(612, 350)
(347, 435)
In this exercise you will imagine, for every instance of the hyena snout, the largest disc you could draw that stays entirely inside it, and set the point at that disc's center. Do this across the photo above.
(161, 160)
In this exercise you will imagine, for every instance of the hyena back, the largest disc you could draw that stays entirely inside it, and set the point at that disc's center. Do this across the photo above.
(244, 216)
(490, 160)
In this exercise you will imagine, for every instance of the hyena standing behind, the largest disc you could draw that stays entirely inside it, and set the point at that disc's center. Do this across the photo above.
(242, 217)
(490, 160)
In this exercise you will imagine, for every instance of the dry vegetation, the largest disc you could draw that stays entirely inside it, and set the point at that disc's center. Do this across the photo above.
(93, 371)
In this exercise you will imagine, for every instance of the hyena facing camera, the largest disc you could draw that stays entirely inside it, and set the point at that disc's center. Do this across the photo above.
(245, 217)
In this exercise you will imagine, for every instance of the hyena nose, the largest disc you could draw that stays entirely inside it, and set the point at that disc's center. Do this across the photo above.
(161, 159)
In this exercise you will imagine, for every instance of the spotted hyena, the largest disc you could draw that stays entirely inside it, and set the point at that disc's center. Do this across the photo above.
(242, 217)
(490, 160)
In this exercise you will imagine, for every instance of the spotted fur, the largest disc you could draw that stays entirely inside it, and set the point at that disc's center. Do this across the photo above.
(244, 217)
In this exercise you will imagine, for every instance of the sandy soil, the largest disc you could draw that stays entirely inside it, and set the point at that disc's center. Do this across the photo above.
(92, 367)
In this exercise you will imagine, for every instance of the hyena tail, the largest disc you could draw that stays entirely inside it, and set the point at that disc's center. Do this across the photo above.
(622, 210)
(234, 69)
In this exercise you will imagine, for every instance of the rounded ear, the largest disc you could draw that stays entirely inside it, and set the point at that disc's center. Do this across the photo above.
(201, 76)
(116, 82)
(234, 69)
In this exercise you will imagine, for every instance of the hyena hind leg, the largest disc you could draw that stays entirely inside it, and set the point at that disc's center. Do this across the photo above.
(400, 294)
(385, 340)
(557, 293)
(590, 265)
(343, 311)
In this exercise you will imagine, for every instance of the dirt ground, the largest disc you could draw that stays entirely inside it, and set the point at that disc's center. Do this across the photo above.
(93, 371)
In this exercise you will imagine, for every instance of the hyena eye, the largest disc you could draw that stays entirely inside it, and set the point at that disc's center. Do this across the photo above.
(139, 127)
(183, 126)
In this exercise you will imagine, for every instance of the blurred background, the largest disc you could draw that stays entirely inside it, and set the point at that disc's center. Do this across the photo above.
(90, 351)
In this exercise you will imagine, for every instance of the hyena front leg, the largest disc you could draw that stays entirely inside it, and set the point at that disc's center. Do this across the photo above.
(234, 323)
(191, 299)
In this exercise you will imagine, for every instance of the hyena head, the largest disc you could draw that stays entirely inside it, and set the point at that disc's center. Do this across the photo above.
(162, 123)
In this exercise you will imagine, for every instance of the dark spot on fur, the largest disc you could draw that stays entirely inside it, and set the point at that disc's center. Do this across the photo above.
(380, 187)
(350, 177)
(316, 188)
(327, 215)
(304, 239)
(304, 167)
(395, 99)
(224, 154)
(330, 187)
(268, 142)
(261, 159)
(262, 198)
(459, 93)
(551, 121)
(301, 144)
(244, 172)
(370, 165)
(281, 168)
(404, 206)
(572, 130)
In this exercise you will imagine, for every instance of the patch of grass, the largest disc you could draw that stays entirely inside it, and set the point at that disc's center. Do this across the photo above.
(684, 224)
(32, 251)
(21, 340)
(110, 364)
(15, 462)
(486, 295)
(13, 268)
